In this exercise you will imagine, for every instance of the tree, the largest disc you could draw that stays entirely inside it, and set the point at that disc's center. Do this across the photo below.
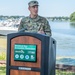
(72, 17)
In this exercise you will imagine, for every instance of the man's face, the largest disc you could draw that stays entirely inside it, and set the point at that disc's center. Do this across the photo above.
(33, 10)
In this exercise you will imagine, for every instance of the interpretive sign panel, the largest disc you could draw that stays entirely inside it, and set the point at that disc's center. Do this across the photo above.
(25, 52)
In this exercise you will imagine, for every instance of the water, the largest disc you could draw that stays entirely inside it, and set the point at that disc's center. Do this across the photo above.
(63, 27)
(64, 34)
(65, 44)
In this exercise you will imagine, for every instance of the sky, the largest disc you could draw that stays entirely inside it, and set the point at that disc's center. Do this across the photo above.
(47, 8)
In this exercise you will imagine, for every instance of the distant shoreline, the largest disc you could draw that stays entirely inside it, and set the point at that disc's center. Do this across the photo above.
(61, 57)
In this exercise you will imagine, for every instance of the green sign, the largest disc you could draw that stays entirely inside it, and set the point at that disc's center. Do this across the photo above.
(25, 52)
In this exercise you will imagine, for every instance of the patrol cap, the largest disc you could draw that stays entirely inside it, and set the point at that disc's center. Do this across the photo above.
(33, 3)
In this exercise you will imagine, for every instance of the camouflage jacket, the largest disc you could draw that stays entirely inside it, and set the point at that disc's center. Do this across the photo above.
(35, 24)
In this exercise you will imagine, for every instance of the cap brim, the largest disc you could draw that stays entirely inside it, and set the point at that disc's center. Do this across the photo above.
(34, 5)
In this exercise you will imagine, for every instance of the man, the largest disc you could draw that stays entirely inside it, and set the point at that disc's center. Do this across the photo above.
(35, 23)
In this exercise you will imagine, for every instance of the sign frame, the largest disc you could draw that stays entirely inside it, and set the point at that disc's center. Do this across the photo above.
(35, 51)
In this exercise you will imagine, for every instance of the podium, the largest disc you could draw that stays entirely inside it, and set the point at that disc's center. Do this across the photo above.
(30, 54)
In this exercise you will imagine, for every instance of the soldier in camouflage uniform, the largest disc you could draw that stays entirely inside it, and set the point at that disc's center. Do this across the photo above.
(35, 23)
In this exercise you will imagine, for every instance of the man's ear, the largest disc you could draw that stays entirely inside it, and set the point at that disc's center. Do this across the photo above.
(28, 8)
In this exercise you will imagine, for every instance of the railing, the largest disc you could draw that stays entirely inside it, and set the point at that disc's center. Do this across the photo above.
(65, 69)
(60, 69)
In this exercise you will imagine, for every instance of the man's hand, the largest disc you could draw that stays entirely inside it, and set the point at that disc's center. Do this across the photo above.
(41, 32)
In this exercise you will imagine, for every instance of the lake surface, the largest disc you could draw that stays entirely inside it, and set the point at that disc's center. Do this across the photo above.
(64, 34)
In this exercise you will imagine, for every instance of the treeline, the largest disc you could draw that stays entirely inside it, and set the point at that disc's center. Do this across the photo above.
(9, 17)
(60, 18)
(16, 17)
(71, 18)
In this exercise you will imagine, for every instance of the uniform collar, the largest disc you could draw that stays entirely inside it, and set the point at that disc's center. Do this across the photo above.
(35, 19)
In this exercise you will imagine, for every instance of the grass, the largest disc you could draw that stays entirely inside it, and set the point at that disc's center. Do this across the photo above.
(2, 56)
(2, 70)
(3, 45)
(58, 72)
(3, 42)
